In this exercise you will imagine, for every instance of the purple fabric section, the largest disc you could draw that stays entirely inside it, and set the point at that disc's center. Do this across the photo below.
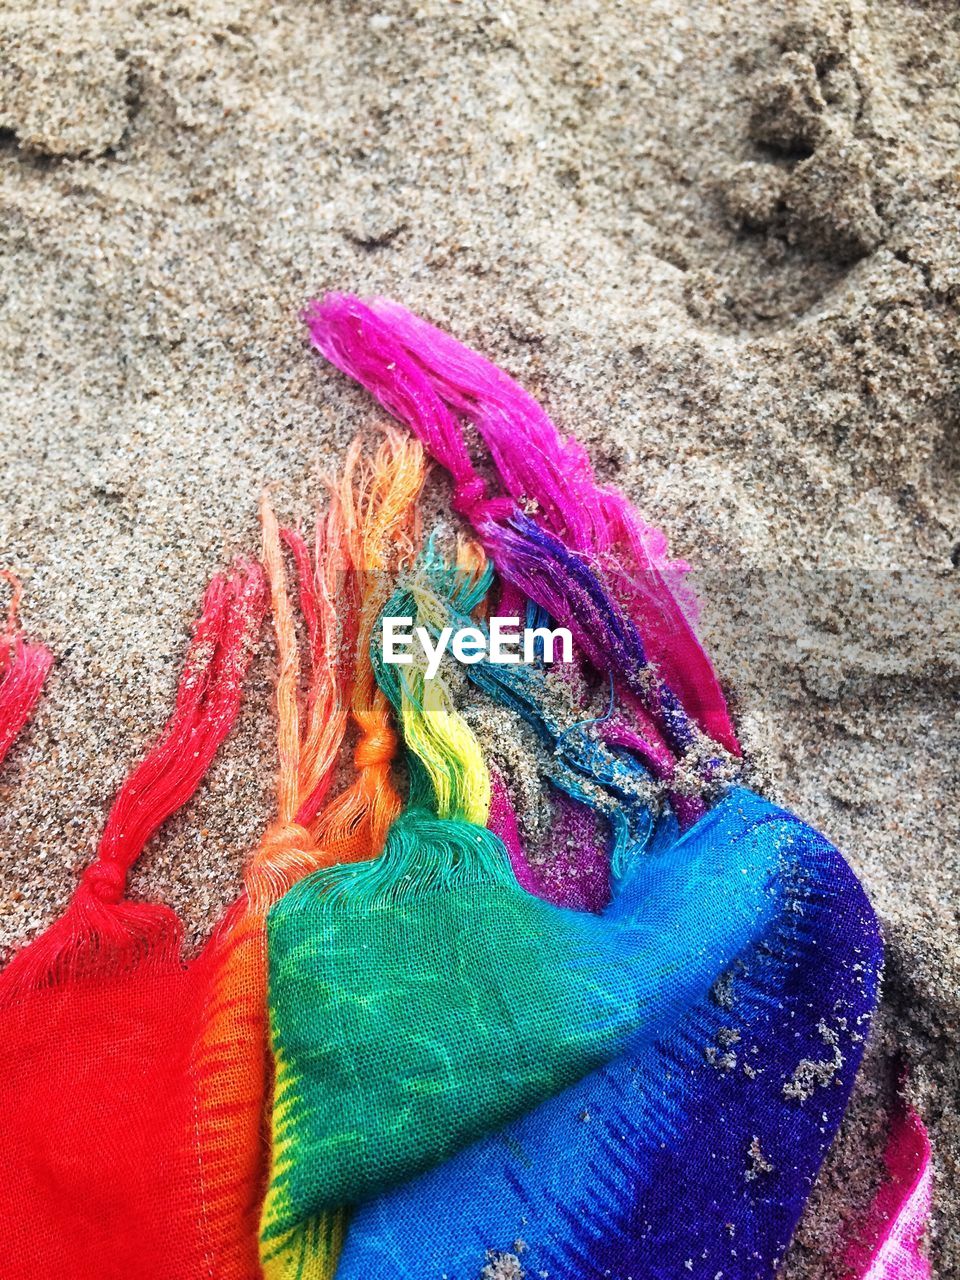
(562, 583)
(615, 733)
(572, 868)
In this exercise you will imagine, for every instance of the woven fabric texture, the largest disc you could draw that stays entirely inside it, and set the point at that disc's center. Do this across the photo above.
(749, 1081)
(397, 987)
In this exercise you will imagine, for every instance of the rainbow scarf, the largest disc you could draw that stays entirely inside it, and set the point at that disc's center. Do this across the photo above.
(579, 554)
(753, 1076)
(390, 1054)
(628, 1060)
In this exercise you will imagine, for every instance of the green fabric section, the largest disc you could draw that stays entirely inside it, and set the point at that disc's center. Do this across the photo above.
(417, 1012)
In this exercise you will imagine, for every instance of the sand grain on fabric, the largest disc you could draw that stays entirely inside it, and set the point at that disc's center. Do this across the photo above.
(719, 241)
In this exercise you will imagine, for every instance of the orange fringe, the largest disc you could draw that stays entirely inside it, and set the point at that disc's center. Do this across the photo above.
(383, 535)
(371, 530)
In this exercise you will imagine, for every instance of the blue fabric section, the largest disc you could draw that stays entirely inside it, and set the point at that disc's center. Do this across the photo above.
(761, 1079)
(695, 1156)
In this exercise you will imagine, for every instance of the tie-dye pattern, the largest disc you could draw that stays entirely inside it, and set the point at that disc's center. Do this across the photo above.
(728, 1114)
(392, 1054)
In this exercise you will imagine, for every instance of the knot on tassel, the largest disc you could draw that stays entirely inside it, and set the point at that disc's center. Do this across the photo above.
(283, 843)
(376, 749)
(468, 496)
(286, 852)
(105, 881)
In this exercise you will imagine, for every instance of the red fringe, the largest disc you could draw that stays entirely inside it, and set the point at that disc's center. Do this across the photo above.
(100, 927)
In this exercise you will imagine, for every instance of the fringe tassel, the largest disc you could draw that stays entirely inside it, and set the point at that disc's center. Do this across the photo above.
(307, 755)
(23, 669)
(231, 1058)
(382, 521)
(379, 527)
(431, 383)
(101, 928)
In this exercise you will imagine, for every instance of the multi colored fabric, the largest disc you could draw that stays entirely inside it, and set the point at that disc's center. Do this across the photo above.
(815, 960)
(589, 1180)
(395, 985)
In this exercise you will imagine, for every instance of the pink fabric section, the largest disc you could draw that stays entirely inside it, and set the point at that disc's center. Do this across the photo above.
(503, 823)
(890, 1246)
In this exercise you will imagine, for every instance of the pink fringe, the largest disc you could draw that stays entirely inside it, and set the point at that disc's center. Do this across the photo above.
(23, 669)
(434, 385)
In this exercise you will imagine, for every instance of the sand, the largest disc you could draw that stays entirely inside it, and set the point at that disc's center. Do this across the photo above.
(720, 241)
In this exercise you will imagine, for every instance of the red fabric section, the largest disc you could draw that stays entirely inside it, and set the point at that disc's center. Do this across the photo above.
(96, 1102)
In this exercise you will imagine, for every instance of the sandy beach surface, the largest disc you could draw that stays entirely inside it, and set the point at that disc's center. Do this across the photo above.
(721, 243)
